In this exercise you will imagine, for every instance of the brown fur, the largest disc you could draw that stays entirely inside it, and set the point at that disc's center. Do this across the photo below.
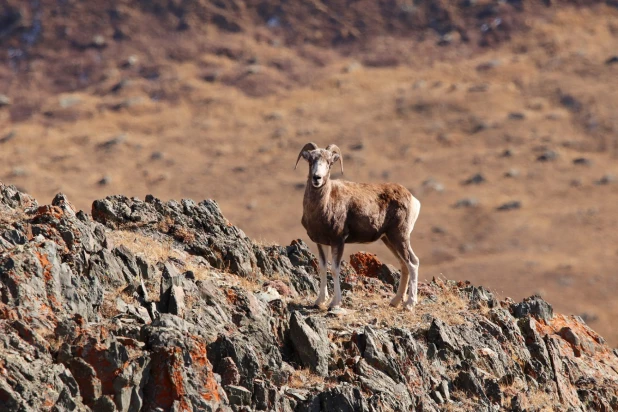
(355, 212)
(337, 212)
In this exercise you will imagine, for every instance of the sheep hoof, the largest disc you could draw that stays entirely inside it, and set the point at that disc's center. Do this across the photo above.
(319, 303)
(409, 306)
(334, 305)
(395, 301)
(337, 311)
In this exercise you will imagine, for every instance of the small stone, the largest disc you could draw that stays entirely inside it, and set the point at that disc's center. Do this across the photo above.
(254, 69)
(478, 88)
(466, 202)
(512, 173)
(8, 137)
(547, 156)
(68, 101)
(512, 205)
(571, 103)
(606, 179)
(575, 183)
(357, 146)
(105, 180)
(99, 41)
(612, 60)
(352, 67)
(433, 184)
(582, 161)
(19, 172)
(517, 116)
(474, 179)
(507, 153)
(273, 116)
(211, 76)
(115, 141)
(5, 100)
(486, 66)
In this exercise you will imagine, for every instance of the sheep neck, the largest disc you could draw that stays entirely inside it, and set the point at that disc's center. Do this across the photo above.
(317, 197)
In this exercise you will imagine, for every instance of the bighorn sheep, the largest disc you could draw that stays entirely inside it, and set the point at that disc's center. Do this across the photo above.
(336, 212)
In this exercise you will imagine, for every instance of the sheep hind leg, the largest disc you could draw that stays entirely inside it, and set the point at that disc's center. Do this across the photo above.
(337, 254)
(405, 273)
(323, 292)
(413, 264)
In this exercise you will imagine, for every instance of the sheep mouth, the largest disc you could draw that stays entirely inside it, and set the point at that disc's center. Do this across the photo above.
(317, 183)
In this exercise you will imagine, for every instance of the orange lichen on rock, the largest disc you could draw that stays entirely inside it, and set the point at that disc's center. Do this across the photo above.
(54, 211)
(46, 265)
(231, 295)
(168, 382)
(7, 313)
(580, 337)
(366, 264)
(198, 353)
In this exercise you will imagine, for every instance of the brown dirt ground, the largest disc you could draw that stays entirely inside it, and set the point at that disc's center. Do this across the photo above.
(443, 113)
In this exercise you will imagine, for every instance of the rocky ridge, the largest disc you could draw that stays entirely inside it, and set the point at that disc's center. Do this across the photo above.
(151, 305)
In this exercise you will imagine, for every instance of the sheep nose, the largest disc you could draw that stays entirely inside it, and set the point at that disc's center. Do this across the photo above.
(316, 177)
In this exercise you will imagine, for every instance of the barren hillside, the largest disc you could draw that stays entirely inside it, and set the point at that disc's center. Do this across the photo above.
(205, 99)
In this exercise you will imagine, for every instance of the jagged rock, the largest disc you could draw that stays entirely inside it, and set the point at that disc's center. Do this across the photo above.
(177, 301)
(229, 372)
(535, 306)
(470, 384)
(367, 264)
(80, 328)
(238, 395)
(373, 350)
(89, 383)
(310, 342)
(394, 396)
(344, 398)
(442, 336)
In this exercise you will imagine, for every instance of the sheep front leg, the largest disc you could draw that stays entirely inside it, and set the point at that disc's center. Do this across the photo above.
(323, 292)
(337, 254)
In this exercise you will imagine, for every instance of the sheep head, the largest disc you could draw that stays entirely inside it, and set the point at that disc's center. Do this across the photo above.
(320, 162)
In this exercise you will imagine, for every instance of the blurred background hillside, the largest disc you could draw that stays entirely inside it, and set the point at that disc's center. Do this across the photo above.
(500, 116)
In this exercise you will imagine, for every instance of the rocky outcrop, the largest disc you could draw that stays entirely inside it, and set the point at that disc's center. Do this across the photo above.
(151, 305)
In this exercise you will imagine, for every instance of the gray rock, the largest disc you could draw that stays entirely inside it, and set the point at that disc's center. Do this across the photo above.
(86, 376)
(474, 179)
(466, 202)
(394, 396)
(238, 395)
(372, 348)
(344, 398)
(177, 301)
(310, 342)
(512, 205)
(534, 306)
(5, 100)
